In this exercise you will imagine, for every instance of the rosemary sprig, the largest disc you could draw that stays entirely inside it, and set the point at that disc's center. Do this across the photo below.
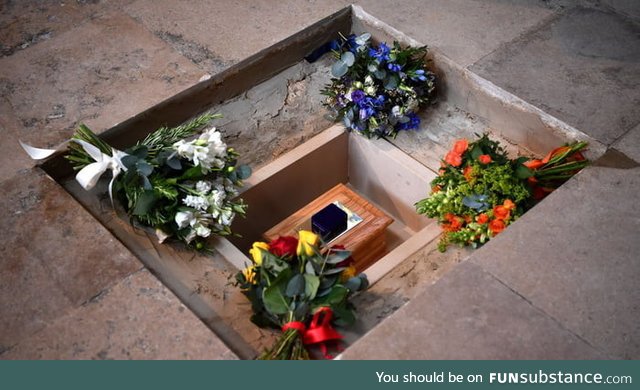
(167, 136)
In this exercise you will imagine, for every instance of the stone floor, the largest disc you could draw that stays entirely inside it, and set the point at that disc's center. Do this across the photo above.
(563, 286)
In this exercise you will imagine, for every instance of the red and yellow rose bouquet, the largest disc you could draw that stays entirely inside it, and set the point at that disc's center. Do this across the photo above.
(480, 191)
(299, 287)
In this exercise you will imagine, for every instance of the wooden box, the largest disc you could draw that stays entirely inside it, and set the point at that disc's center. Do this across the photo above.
(366, 240)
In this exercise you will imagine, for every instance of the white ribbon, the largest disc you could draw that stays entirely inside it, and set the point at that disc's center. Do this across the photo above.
(89, 175)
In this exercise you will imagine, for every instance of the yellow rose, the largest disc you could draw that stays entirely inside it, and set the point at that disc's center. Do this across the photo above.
(256, 251)
(250, 274)
(306, 243)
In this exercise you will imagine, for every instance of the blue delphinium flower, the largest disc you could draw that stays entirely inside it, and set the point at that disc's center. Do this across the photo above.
(381, 53)
(413, 123)
(418, 75)
(379, 101)
(351, 42)
(369, 106)
(392, 66)
(357, 96)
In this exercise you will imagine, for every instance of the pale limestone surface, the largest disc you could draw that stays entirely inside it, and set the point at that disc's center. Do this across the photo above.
(581, 66)
(138, 318)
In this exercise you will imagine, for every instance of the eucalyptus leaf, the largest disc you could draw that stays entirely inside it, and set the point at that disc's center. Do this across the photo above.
(296, 286)
(391, 82)
(174, 163)
(333, 271)
(328, 281)
(144, 168)
(372, 67)
(243, 171)
(348, 58)
(146, 184)
(301, 310)
(129, 161)
(353, 284)
(362, 39)
(380, 74)
(338, 256)
(140, 151)
(339, 69)
(309, 268)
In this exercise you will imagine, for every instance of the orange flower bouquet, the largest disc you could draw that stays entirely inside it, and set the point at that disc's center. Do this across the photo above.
(480, 190)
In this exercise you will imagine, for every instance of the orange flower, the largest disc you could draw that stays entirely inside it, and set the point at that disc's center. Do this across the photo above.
(496, 226)
(460, 146)
(436, 189)
(509, 205)
(484, 159)
(467, 172)
(453, 159)
(501, 212)
(453, 223)
(482, 218)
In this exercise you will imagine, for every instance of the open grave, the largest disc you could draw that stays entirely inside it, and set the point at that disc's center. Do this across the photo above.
(274, 118)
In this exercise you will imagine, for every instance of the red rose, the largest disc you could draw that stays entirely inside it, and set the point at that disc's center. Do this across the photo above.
(284, 246)
(482, 218)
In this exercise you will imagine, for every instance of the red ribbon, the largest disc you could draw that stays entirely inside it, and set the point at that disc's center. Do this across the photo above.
(320, 330)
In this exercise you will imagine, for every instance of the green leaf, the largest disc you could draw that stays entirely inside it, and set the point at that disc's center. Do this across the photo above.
(273, 263)
(243, 171)
(523, 172)
(296, 286)
(273, 297)
(336, 296)
(476, 152)
(192, 173)
(344, 316)
(144, 203)
(311, 284)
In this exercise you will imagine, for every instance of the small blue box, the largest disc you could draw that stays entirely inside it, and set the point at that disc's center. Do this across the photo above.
(329, 222)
